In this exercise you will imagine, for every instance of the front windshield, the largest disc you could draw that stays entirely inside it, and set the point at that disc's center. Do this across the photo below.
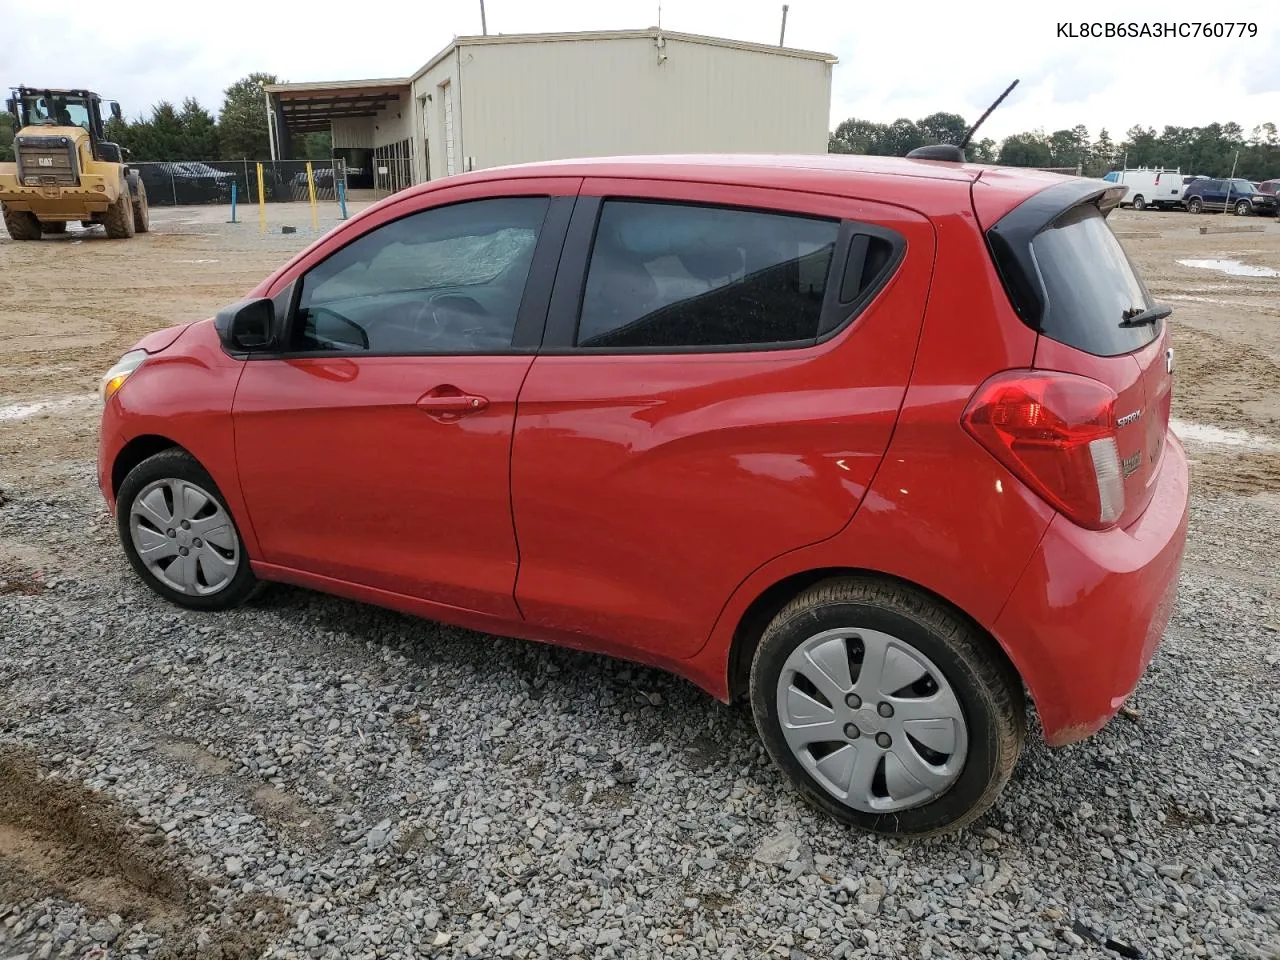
(55, 110)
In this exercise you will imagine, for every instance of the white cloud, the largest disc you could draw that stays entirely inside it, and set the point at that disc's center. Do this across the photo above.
(895, 59)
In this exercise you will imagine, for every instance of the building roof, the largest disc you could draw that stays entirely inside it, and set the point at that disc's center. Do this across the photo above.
(651, 33)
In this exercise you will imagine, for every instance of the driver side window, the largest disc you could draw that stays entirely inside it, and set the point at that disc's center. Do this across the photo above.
(446, 280)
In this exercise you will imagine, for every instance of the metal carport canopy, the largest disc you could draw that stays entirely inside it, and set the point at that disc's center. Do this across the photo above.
(309, 107)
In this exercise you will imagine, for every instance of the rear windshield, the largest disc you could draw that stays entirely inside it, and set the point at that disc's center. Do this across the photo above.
(1089, 286)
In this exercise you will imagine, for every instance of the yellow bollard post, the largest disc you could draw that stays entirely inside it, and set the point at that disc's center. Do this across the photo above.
(311, 194)
(262, 203)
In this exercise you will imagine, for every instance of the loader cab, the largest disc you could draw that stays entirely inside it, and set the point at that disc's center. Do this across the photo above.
(67, 108)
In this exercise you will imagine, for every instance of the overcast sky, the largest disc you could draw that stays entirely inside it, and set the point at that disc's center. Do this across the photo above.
(896, 59)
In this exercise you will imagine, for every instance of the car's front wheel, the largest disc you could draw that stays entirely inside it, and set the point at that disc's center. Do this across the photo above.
(179, 535)
(886, 708)
(1195, 205)
(1243, 208)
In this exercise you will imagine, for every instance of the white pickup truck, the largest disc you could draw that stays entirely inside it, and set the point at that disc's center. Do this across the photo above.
(1149, 187)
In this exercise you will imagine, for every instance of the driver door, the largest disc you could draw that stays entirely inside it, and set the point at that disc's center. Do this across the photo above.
(374, 448)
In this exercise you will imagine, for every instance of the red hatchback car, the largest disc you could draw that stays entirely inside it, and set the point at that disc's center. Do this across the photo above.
(877, 443)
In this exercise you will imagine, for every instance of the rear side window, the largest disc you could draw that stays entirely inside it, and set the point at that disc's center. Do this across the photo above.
(1089, 285)
(670, 275)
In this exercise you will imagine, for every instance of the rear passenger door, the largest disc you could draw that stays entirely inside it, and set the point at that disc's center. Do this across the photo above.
(720, 374)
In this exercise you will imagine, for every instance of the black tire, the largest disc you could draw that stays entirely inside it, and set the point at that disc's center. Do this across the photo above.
(987, 688)
(53, 226)
(174, 464)
(141, 212)
(1195, 205)
(21, 224)
(1139, 202)
(1244, 208)
(119, 218)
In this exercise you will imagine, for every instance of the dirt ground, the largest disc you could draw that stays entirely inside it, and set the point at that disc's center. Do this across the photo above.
(73, 304)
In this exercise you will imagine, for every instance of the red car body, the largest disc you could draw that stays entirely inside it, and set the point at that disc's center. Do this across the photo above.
(663, 506)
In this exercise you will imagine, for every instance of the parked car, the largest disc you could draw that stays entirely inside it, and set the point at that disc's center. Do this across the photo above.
(1149, 188)
(322, 177)
(1269, 187)
(846, 437)
(185, 181)
(1238, 196)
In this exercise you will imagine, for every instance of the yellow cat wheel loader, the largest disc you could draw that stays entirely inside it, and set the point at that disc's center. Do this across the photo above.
(66, 169)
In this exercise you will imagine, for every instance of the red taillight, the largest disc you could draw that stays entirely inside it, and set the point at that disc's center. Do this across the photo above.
(1057, 433)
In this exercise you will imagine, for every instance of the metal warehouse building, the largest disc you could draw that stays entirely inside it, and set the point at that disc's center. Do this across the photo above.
(492, 100)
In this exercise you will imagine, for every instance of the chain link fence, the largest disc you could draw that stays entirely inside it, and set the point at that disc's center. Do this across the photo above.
(188, 182)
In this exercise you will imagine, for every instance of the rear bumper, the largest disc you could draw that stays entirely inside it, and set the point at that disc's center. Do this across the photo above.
(1089, 611)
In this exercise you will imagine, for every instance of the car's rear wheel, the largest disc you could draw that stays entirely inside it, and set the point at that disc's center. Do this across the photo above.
(1139, 202)
(886, 708)
(179, 535)
(1244, 208)
(1195, 205)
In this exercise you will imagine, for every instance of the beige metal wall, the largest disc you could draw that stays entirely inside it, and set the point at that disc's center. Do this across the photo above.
(352, 132)
(394, 122)
(429, 91)
(571, 98)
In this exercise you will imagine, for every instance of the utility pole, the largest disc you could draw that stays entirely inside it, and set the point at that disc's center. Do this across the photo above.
(782, 35)
(484, 26)
(1231, 182)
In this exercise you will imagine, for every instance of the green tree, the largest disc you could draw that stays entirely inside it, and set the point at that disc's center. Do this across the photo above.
(942, 128)
(1026, 150)
(242, 124)
(1102, 155)
(1211, 149)
(854, 136)
(901, 137)
(1140, 146)
(312, 146)
(1069, 147)
(199, 131)
(6, 136)
(981, 151)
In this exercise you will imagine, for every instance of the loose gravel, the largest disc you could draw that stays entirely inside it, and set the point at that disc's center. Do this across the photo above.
(308, 777)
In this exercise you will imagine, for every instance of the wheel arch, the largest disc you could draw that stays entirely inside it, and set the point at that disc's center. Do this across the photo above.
(135, 451)
(761, 611)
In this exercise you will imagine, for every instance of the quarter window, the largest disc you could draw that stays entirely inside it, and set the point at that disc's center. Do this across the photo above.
(668, 275)
(446, 280)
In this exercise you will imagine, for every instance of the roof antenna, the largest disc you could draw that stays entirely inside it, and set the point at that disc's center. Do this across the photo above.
(954, 152)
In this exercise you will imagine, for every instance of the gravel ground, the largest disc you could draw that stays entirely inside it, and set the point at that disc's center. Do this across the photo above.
(308, 777)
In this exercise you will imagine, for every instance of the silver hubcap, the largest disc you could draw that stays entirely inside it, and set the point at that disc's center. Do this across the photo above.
(872, 719)
(184, 537)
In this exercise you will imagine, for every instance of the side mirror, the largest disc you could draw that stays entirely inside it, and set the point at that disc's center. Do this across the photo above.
(247, 326)
(115, 110)
(12, 106)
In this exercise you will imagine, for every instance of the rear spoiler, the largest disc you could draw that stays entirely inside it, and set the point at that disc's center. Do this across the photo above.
(1010, 238)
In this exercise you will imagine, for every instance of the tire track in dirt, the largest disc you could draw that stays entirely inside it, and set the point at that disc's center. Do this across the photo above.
(58, 838)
